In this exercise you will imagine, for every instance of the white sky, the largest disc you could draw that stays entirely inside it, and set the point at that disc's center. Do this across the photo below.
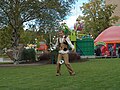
(75, 12)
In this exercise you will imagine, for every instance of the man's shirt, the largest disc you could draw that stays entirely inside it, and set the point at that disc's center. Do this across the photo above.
(61, 40)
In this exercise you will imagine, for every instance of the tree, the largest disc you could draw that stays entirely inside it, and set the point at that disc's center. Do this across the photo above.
(54, 13)
(14, 13)
(98, 16)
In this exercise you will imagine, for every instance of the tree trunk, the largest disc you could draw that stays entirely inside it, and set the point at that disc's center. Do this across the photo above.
(16, 48)
(15, 38)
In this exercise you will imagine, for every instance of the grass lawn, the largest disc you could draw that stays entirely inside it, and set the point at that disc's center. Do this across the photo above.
(96, 74)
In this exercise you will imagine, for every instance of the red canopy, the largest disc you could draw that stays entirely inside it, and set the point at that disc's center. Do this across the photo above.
(110, 35)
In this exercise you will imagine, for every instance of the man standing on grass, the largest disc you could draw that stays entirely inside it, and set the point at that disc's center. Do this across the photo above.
(62, 43)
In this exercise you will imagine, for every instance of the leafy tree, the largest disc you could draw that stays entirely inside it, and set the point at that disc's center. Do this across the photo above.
(54, 13)
(14, 13)
(98, 16)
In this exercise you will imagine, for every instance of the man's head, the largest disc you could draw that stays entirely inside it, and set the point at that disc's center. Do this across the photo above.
(61, 33)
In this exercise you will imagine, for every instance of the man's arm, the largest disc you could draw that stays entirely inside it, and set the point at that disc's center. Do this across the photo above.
(70, 43)
(56, 44)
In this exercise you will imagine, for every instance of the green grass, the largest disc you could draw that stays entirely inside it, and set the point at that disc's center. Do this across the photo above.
(96, 74)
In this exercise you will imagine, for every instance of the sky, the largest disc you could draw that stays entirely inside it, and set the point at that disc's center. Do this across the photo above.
(75, 12)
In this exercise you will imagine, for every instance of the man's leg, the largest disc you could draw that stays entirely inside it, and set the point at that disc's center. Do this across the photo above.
(58, 65)
(66, 59)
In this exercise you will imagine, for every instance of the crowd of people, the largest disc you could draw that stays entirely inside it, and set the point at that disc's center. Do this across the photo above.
(111, 51)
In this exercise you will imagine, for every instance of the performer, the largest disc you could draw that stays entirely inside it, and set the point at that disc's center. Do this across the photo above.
(62, 43)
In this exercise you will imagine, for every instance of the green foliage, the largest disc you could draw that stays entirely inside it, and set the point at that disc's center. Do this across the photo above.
(27, 37)
(29, 55)
(3, 56)
(16, 12)
(5, 38)
(98, 16)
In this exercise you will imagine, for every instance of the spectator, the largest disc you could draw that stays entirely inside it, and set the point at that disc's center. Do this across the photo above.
(119, 52)
(98, 51)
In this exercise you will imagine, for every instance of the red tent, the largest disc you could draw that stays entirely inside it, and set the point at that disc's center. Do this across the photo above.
(110, 35)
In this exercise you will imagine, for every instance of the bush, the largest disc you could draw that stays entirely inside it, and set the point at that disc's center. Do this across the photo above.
(29, 55)
(73, 57)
